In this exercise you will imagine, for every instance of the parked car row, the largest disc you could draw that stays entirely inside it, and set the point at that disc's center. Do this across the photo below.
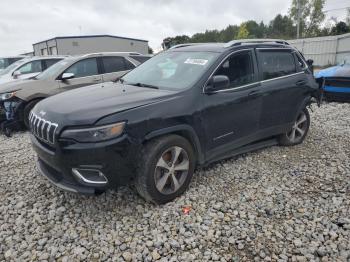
(189, 106)
(17, 98)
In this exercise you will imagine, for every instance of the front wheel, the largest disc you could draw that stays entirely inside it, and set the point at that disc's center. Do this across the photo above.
(165, 169)
(299, 130)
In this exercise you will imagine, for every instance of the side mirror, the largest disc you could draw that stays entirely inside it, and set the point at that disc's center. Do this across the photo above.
(16, 74)
(310, 62)
(217, 83)
(66, 76)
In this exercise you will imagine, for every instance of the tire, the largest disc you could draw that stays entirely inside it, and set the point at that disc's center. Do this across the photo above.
(157, 175)
(300, 129)
(26, 112)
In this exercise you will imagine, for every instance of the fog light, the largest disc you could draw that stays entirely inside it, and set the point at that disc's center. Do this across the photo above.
(90, 176)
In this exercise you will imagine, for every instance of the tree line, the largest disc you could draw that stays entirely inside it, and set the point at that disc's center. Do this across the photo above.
(312, 24)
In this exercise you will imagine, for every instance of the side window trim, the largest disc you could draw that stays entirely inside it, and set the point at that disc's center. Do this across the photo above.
(255, 67)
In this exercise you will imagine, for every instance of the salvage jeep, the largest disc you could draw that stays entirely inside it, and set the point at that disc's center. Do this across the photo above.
(189, 106)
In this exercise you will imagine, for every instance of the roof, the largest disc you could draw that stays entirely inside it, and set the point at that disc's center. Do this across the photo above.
(91, 36)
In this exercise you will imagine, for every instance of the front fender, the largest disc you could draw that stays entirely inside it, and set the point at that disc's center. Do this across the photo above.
(183, 130)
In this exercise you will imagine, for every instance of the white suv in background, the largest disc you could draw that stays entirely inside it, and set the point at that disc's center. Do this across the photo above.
(27, 68)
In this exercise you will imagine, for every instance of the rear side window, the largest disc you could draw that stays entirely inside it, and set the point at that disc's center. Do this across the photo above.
(114, 64)
(83, 68)
(276, 64)
(50, 62)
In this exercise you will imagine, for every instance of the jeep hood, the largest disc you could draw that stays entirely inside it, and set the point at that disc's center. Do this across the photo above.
(85, 106)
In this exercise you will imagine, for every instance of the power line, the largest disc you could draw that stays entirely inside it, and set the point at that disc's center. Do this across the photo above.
(335, 9)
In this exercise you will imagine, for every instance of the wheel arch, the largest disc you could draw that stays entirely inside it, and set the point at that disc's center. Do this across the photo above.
(184, 131)
(305, 103)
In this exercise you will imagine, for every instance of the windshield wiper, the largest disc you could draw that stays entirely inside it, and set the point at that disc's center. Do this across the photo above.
(143, 85)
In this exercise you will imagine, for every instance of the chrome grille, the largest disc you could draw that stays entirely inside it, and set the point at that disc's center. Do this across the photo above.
(42, 129)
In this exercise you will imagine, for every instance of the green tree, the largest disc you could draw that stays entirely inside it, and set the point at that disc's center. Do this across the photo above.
(282, 27)
(243, 32)
(311, 15)
(150, 50)
(340, 28)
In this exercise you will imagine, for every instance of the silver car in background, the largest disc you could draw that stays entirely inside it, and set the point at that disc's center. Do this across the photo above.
(9, 60)
(27, 68)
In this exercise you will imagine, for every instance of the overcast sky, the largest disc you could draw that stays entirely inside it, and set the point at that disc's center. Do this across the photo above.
(24, 22)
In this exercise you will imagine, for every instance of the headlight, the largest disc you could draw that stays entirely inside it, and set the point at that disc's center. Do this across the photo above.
(7, 96)
(95, 134)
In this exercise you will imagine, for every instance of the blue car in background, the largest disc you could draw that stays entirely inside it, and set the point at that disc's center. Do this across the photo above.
(337, 82)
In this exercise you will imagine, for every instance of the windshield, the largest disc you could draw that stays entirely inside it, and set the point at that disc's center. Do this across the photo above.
(171, 70)
(53, 70)
(11, 67)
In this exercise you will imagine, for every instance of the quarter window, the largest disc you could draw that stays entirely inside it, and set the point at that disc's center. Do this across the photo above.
(31, 67)
(86, 67)
(276, 64)
(238, 68)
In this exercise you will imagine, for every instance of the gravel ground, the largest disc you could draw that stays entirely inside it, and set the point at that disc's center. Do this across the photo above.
(280, 203)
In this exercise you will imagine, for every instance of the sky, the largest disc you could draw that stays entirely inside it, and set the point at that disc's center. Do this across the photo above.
(24, 22)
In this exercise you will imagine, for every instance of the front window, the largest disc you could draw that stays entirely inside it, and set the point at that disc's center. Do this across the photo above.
(238, 68)
(31, 67)
(84, 68)
(171, 70)
(54, 70)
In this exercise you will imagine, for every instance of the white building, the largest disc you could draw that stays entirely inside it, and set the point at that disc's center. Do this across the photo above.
(75, 45)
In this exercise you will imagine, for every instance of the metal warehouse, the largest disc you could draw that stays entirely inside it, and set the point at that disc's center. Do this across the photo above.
(328, 50)
(75, 45)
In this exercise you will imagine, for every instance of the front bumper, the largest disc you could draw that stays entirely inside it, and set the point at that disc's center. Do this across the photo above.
(115, 159)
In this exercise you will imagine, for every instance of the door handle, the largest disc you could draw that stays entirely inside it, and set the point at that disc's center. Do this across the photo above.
(254, 93)
(300, 83)
(96, 79)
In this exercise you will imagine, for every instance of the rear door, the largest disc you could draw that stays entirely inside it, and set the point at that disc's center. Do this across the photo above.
(283, 85)
(86, 72)
(114, 67)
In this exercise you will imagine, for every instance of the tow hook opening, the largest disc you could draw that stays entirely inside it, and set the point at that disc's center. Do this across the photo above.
(90, 176)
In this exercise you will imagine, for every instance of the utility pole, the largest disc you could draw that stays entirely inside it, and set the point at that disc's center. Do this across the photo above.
(298, 19)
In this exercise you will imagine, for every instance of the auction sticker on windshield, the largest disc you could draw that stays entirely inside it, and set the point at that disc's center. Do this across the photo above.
(196, 61)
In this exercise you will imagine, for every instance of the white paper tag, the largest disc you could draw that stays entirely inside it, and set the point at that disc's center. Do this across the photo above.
(196, 61)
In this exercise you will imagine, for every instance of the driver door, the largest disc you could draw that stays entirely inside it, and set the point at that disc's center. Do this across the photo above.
(231, 116)
(86, 72)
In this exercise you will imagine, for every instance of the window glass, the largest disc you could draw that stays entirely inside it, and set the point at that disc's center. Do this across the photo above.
(31, 67)
(129, 65)
(50, 62)
(238, 68)
(276, 64)
(174, 70)
(113, 64)
(140, 58)
(86, 67)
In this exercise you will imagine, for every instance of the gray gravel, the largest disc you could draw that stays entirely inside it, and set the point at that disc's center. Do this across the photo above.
(277, 204)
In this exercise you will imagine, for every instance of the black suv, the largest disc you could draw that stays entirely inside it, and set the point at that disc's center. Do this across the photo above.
(188, 106)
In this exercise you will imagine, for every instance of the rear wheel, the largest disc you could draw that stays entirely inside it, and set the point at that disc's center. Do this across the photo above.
(26, 111)
(299, 130)
(165, 169)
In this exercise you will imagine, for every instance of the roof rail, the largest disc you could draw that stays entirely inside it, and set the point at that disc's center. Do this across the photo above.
(187, 44)
(255, 41)
(109, 53)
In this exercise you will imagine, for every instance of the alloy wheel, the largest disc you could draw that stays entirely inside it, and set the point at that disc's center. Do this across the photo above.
(299, 128)
(171, 170)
